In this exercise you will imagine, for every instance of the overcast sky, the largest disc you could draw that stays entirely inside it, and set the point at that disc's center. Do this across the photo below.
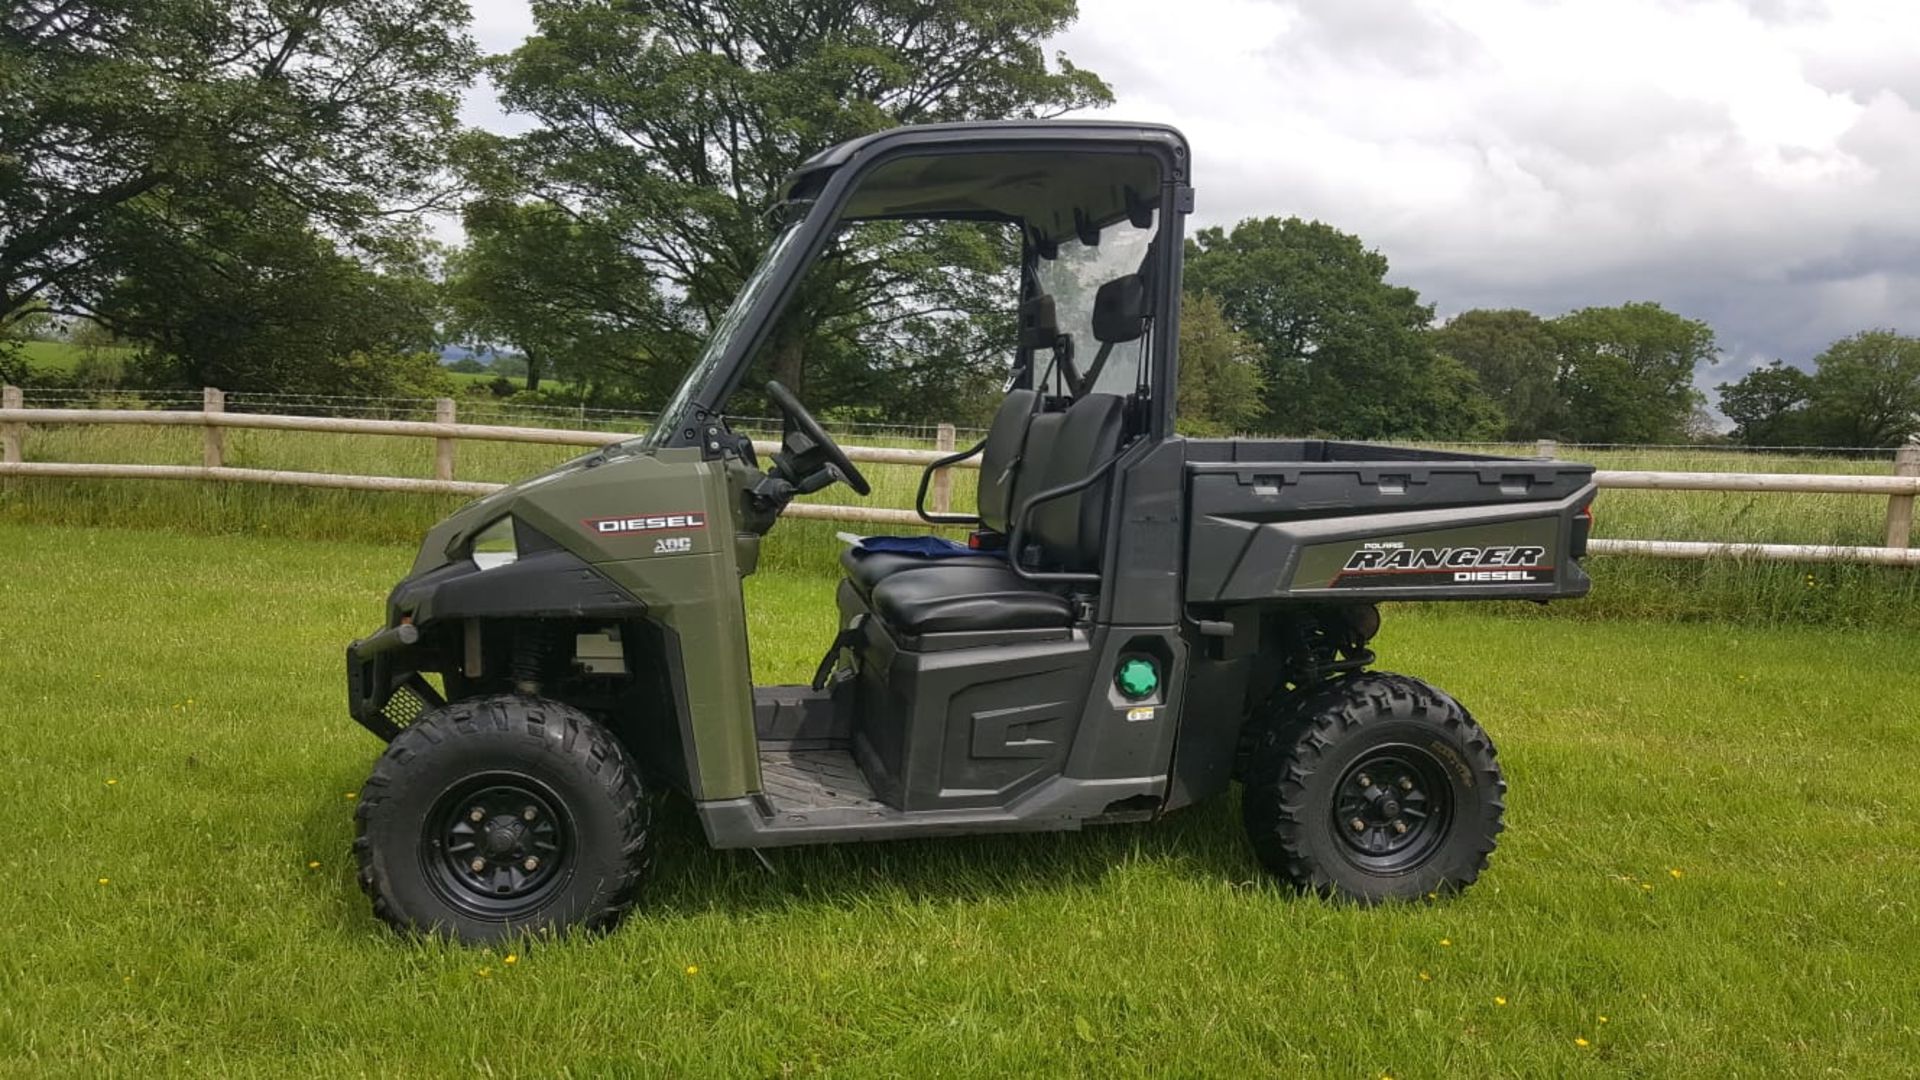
(1752, 163)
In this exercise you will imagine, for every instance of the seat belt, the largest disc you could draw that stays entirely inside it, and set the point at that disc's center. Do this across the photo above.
(845, 639)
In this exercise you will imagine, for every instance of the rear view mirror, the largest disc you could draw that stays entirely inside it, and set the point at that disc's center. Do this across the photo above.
(1120, 310)
(1039, 322)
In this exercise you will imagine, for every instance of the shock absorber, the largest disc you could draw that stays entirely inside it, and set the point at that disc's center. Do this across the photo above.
(533, 650)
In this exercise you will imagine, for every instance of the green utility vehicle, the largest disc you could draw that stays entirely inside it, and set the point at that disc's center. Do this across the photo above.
(1140, 619)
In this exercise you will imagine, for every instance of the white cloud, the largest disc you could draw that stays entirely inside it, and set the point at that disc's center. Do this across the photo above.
(498, 26)
(1755, 163)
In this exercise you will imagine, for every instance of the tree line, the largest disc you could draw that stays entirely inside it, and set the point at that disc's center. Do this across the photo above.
(241, 192)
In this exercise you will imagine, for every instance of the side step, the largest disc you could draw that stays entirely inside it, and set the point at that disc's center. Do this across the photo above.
(813, 790)
(820, 797)
(799, 781)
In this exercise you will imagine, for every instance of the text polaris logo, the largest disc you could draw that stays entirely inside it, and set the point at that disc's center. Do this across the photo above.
(610, 526)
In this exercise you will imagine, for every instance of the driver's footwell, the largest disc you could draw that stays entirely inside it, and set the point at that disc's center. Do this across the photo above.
(814, 780)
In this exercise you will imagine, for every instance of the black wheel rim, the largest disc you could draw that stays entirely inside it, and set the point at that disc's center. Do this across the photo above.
(498, 845)
(1393, 808)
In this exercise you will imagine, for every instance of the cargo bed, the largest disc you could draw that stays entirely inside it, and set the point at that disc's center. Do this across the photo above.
(1303, 518)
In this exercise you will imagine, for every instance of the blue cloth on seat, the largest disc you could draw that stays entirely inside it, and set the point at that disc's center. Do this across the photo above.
(927, 547)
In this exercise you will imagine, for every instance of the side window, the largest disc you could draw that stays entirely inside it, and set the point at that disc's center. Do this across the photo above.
(900, 322)
(1073, 278)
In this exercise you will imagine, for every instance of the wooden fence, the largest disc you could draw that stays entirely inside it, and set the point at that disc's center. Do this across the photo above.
(1899, 489)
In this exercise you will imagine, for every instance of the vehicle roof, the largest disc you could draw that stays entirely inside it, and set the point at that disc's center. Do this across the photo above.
(1000, 189)
(1114, 131)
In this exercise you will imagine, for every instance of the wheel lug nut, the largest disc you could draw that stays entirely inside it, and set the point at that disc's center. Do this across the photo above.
(1406, 784)
(1365, 780)
(529, 813)
(476, 815)
(1400, 826)
(531, 864)
(1358, 825)
(478, 865)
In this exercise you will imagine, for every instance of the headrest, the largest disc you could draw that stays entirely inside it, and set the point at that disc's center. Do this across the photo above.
(1039, 326)
(1120, 310)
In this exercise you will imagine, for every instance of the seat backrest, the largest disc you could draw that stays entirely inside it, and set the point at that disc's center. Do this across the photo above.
(1001, 459)
(1071, 529)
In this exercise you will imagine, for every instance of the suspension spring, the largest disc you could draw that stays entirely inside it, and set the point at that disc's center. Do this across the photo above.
(533, 651)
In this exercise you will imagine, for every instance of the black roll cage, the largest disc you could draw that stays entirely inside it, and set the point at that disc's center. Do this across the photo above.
(822, 186)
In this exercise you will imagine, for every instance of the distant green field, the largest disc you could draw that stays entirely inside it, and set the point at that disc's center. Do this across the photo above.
(482, 378)
(58, 356)
(1632, 587)
(1709, 871)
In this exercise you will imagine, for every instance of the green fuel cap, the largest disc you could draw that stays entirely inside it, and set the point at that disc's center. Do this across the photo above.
(1137, 678)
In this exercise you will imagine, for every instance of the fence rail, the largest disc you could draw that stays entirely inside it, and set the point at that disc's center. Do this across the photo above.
(1900, 489)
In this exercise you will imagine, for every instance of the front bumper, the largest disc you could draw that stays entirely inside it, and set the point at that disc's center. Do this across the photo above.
(384, 692)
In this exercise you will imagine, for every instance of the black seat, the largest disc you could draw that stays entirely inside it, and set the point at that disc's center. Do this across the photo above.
(1000, 462)
(950, 599)
(1019, 432)
(945, 595)
(870, 568)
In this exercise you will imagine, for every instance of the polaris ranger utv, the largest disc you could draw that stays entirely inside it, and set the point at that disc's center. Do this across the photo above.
(1139, 619)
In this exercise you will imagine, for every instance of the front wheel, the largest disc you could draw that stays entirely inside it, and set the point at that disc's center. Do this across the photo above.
(502, 815)
(1376, 787)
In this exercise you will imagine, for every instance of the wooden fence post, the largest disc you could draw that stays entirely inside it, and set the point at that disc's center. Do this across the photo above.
(1900, 507)
(11, 435)
(943, 480)
(1545, 448)
(213, 452)
(443, 413)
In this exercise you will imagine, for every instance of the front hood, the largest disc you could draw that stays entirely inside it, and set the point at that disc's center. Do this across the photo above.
(445, 540)
(569, 503)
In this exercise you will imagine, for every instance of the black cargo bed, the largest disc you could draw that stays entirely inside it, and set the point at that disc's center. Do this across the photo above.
(1273, 519)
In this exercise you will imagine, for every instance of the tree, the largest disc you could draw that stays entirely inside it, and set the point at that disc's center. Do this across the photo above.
(1344, 352)
(1222, 391)
(33, 322)
(1626, 373)
(129, 124)
(1866, 390)
(252, 298)
(1768, 406)
(30, 323)
(1514, 357)
(532, 278)
(666, 127)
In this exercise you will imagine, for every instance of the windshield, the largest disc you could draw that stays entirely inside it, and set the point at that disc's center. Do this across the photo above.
(724, 331)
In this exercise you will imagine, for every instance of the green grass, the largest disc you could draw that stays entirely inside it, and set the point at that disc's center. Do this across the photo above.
(222, 509)
(1835, 595)
(1770, 767)
(464, 379)
(61, 358)
(49, 357)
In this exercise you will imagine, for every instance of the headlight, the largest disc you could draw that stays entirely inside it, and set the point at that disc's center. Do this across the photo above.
(494, 545)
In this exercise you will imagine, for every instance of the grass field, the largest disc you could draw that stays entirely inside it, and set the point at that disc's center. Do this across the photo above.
(1710, 869)
(49, 358)
(1834, 595)
(58, 357)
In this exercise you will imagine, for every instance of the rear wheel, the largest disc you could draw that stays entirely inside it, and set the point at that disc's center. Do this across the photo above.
(502, 815)
(1375, 787)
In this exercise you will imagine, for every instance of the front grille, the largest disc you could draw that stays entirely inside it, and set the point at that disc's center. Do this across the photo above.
(411, 698)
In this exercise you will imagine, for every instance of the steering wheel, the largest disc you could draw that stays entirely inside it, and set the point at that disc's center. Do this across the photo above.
(815, 449)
